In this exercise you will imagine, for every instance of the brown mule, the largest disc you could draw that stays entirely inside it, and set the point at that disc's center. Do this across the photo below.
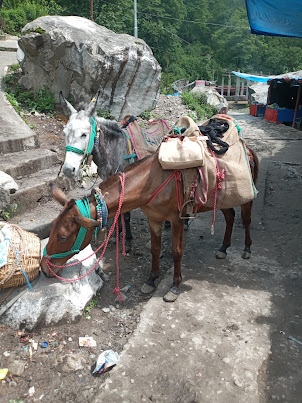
(142, 179)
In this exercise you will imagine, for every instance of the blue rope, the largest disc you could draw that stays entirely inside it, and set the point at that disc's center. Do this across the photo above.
(23, 272)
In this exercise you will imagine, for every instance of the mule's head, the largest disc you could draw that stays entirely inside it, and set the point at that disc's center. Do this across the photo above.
(77, 134)
(64, 232)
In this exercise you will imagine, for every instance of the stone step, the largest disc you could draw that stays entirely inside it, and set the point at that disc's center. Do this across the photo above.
(38, 220)
(35, 189)
(24, 163)
(15, 134)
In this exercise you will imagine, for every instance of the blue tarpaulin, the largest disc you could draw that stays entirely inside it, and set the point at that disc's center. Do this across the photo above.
(251, 77)
(275, 17)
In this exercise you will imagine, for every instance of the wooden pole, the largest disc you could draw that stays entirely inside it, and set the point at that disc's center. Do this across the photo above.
(91, 10)
(222, 85)
(167, 80)
(297, 105)
(229, 85)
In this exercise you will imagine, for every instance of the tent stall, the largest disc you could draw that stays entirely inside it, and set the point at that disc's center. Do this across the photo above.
(275, 17)
(284, 101)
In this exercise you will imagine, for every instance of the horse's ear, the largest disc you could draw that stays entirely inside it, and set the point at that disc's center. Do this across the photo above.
(93, 103)
(66, 104)
(86, 222)
(59, 195)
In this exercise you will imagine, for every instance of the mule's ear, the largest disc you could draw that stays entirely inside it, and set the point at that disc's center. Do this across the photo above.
(93, 103)
(86, 222)
(66, 104)
(59, 195)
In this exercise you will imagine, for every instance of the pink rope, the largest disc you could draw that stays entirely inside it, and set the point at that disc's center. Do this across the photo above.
(104, 244)
(175, 174)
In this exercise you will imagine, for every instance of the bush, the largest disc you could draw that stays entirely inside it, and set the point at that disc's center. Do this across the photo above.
(15, 14)
(198, 104)
(41, 101)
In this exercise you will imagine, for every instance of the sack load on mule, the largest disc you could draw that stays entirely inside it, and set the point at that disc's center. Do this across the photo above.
(204, 164)
(20, 253)
(162, 194)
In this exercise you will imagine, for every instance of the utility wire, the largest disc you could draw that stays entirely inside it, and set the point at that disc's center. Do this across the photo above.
(172, 33)
(193, 22)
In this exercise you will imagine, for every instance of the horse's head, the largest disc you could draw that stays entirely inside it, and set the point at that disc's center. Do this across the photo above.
(78, 131)
(70, 232)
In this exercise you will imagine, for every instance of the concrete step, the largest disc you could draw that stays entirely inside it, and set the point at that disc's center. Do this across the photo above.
(15, 134)
(35, 189)
(38, 220)
(25, 163)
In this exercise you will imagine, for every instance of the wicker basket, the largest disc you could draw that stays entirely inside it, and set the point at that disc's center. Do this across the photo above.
(28, 246)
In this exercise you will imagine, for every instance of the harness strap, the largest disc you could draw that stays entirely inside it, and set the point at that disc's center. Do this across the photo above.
(175, 174)
(90, 144)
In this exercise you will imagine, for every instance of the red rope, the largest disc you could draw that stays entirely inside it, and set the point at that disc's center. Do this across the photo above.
(104, 244)
(175, 174)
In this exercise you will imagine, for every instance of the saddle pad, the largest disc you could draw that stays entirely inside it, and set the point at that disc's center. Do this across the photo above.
(146, 141)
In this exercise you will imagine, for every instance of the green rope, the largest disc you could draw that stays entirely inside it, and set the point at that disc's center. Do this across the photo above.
(90, 144)
(83, 206)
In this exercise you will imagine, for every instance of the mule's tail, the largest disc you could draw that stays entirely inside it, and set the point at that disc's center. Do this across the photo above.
(256, 166)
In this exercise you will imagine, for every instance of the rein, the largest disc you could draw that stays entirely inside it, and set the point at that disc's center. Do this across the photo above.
(90, 144)
(103, 245)
(175, 174)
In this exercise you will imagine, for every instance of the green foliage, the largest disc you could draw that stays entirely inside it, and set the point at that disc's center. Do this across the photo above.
(15, 14)
(190, 39)
(9, 212)
(104, 114)
(197, 103)
(146, 115)
(93, 303)
(41, 101)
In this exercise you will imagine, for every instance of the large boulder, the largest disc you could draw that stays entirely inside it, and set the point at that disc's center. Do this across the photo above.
(79, 57)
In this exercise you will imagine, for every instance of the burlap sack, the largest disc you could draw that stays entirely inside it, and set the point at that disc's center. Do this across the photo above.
(182, 152)
(236, 184)
(191, 126)
(146, 141)
(185, 151)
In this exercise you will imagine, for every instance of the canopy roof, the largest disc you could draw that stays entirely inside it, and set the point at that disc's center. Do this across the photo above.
(251, 77)
(275, 17)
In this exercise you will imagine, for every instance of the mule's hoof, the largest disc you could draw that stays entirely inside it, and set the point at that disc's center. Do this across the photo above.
(127, 247)
(146, 288)
(186, 226)
(170, 296)
(104, 276)
(167, 224)
(220, 254)
(246, 255)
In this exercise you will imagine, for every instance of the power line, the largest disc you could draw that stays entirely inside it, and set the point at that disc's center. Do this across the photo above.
(193, 22)
(172, 33)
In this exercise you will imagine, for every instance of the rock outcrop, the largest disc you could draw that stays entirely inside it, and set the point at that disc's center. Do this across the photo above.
(79, 57)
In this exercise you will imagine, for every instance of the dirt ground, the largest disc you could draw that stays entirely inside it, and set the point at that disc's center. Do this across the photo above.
(62, 371)
(110, 330)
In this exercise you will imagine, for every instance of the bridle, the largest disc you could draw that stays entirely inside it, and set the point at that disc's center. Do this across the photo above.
(83, 206)
(90, 144)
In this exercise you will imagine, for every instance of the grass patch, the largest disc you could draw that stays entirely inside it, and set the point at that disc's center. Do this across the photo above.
(198, 104)
(41, 101)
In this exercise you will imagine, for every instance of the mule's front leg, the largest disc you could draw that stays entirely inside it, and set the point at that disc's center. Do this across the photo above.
(155, 232)
(229, 215)
(246, 213)
(177, 251)
(128, 236)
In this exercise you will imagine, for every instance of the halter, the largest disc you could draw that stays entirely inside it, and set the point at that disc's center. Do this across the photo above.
(83, 206)
(92, 138)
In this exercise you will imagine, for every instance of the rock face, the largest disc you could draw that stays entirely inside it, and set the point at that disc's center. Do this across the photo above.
(7, 187)
(53, 300)
(77, 56)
